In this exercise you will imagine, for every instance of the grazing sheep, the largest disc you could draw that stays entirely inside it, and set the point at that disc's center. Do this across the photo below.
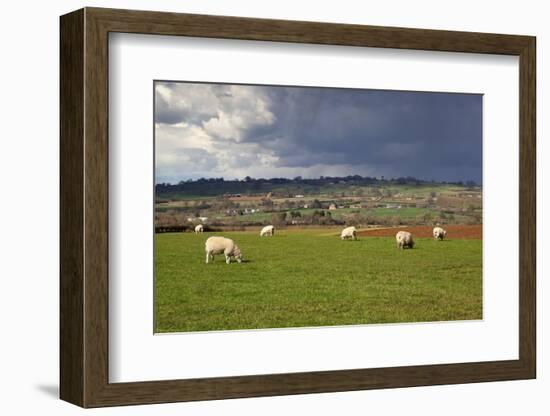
(219, 245)
(349, 232)
(199, 229)
(267, 230)
(404, 239)
(439, 233)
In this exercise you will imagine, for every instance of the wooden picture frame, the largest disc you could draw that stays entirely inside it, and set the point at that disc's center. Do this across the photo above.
(84, 207)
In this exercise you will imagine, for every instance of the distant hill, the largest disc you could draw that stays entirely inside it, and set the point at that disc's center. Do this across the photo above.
(285, 187)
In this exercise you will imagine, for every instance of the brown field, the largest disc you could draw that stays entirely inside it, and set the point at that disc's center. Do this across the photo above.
(469, 232)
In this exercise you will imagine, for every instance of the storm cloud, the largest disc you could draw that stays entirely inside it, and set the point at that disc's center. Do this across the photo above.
(233, 131)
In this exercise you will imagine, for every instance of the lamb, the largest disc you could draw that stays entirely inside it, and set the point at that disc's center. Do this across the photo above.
(439, 233)
(404, 239)
(349, 232)
(219, 245)
(267, 230)
(199, 229)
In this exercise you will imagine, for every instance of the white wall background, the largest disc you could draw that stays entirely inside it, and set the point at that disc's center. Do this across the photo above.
(29, 212)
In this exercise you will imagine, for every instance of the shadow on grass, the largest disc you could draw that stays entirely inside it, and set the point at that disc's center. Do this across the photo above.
(232, 262)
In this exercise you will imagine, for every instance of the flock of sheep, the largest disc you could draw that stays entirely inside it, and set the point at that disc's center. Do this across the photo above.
(402, 238)
(219, 245)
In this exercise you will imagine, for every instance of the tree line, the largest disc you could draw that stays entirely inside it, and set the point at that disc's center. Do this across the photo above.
(249, 185)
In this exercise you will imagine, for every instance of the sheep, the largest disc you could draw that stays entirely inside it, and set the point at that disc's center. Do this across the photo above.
(349, 232)
(219, 245)
(439, 233)
(199, 229)
(267, 230)
(404, 239)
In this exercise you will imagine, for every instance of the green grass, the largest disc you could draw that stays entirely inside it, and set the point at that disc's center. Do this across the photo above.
(255, 217)
(311, 278)
(405, 212)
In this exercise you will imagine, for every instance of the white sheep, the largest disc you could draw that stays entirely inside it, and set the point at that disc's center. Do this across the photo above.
(267, 230)
(404, 239)
(219, 245)
(439, 233)
(349, 232)
(199, 229)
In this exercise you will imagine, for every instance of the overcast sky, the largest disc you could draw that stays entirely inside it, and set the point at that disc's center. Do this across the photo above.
(233, 131)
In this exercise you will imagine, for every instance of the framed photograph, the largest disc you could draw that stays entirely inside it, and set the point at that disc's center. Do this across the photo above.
(255, 207)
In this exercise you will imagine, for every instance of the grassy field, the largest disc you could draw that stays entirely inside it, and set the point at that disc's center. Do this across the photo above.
(312, 278)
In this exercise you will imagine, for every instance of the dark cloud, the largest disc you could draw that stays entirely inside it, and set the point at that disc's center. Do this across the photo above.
(430, 135)
(392, 133)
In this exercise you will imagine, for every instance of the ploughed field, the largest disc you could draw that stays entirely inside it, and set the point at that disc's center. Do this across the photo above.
(304, 278)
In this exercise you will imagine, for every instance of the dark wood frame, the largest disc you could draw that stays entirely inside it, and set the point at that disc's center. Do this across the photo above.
(84, 207)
